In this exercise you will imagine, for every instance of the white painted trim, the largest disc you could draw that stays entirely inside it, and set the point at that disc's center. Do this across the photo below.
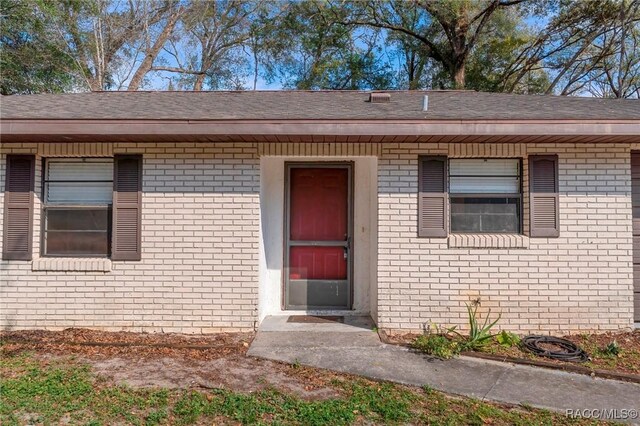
(271, 246)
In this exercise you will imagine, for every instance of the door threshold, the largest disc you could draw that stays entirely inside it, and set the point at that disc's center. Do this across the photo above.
(315, 319)
(322, 312)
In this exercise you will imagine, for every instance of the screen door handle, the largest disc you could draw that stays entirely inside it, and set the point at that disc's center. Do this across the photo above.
(347, 247)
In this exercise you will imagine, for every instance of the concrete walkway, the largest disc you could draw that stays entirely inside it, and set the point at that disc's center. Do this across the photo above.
(354, 348)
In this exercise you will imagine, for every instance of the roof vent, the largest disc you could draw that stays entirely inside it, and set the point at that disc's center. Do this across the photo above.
(379, 98)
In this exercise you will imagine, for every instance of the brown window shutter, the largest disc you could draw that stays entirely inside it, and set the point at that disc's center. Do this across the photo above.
(432, 196)
(18, 207)
(127, 208)
(543, 195)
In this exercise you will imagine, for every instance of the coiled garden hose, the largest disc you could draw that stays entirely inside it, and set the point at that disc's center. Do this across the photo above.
(569, 351)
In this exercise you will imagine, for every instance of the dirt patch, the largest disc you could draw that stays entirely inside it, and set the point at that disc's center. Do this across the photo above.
(237, 373)
(171, 360)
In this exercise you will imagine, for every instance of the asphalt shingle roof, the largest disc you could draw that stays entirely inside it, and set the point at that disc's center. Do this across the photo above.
(309, 105)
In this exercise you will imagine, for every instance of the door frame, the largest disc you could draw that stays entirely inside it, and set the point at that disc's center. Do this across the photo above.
(635, 251)
(348, 244)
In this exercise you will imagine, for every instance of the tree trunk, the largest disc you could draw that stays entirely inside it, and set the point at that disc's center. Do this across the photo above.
(151, 55)
(458, 76)
(199, 82)
(623, 27)
(256, 64)
(411, 69)
(95, 85)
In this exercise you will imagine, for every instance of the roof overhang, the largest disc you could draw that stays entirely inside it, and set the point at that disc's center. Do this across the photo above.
(212, 130)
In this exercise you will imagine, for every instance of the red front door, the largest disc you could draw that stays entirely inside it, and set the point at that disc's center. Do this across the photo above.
(318, 238)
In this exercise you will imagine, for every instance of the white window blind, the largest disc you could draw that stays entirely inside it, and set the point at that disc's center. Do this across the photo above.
(87, 181)
(484, 176)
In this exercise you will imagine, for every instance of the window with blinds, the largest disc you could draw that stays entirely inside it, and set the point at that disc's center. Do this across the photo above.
(78, 195)
(485, 195)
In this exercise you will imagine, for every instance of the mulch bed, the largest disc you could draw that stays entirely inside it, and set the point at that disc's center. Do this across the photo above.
(93, 343)
(625, 366)
(399, 339)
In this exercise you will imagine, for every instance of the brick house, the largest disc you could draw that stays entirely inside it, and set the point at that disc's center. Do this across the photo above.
(208, 211)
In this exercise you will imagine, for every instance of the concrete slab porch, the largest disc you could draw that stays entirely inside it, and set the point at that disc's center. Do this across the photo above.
(349, 324)
(277, 332)
(353, 349)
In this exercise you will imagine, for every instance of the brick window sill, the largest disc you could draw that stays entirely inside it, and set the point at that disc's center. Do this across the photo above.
(71, 264)
(492, 241)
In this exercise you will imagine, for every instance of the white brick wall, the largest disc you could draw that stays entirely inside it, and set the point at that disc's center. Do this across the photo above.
(199, 263)
(199, 268)
(580, 281)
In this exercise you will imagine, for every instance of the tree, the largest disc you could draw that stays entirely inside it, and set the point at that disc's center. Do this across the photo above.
(586, 45)
(152, 48)
(415, 65)
(494, 54)
(566, 47)
(617, 75)
(100, 37)
(447, 30)
(308, 49)
(29, 61)
(208, 44)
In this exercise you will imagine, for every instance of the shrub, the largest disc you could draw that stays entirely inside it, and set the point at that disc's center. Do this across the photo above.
(437, 345)
(442, 345)
(508, 339)
(612, 350)
(479, 335)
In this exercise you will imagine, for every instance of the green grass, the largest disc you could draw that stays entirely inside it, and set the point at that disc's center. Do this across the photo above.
(32, 392)
(49, 393)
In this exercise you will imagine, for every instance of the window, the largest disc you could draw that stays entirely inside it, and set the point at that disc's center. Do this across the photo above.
(485, 195)
(78, 195)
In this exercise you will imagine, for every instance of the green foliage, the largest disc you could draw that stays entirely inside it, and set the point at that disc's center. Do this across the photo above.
(495, 53)
(382, 403)
(437, 345)
(479, 333)
(508, 339)
(538, 46)
(308, 48)
(444, 345)
(52, 391)
(30, 61)
(612, 350)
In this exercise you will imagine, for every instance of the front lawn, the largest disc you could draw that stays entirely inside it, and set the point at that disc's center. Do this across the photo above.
(51, 387)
